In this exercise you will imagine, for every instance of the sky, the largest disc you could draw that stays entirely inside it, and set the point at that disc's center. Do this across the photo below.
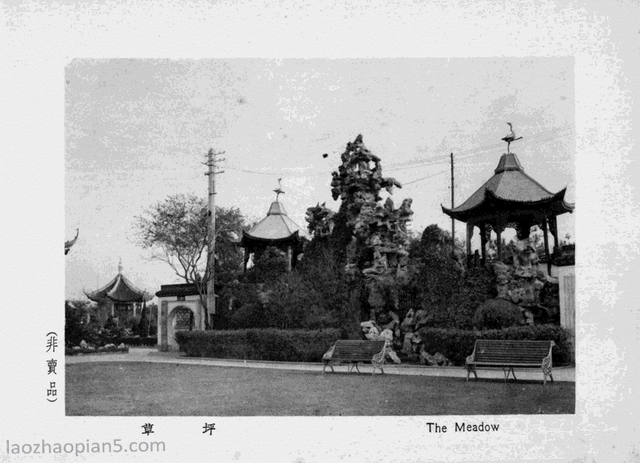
(138, 130)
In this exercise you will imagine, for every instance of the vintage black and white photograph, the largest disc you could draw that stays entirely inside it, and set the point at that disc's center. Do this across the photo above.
(315, 237)
(317, 232)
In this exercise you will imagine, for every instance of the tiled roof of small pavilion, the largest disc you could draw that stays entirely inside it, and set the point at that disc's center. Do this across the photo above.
(181, 289)
(510, 189)
(275, 227)
(120, 289)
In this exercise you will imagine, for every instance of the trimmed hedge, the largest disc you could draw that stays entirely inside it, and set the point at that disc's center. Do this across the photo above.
(151, 341)
(259, 344)
(99, 350)
(457, 345)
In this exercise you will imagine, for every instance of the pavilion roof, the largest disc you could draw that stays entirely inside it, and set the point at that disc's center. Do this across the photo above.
(510, 190)
(120, 289)
(275, 227)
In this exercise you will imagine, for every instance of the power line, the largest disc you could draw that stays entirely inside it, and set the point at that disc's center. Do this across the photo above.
(281, 174)
(424, 178)
(471, 152)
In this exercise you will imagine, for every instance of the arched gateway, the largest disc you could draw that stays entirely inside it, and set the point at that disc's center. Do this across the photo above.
(180, 310)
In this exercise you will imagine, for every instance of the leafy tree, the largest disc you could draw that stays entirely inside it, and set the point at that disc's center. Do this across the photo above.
(148, 321)
(270, 264)
(446, 291)
(176, 232)
(76, 323)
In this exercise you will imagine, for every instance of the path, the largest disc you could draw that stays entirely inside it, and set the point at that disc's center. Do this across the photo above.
(137, 354)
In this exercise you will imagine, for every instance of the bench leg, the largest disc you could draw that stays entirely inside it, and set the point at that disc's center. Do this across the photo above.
(328, 364)
(472, 369)
(508, 370)
(356, 365)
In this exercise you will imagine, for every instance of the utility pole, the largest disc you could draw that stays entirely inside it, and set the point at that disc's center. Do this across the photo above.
(211, 232)
(453, 222)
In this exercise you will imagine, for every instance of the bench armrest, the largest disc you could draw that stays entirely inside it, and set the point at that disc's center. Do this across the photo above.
(328, 354)
(547, 362)
(472, 357)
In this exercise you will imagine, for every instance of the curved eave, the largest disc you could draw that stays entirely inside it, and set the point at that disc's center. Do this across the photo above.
(69, 244)
(495, 205)
(249, 240)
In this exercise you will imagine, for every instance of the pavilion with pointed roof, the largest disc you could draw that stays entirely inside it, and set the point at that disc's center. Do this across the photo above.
(276, 230)
(511, 199)
(121, 295)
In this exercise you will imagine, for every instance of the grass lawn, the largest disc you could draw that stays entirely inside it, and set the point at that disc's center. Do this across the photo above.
(155, 389)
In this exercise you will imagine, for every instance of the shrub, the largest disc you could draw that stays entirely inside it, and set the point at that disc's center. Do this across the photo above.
(448, 295)
(73, 325)
(259, 344)
(137, 340)
(495, 314)
(271, 264)
(477, 285)
(248, 316)
(457, 344)
(99, 350)
(313, 296)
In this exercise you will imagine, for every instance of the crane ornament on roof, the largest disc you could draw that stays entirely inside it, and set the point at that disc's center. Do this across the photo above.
(279, 191)
(511, 137)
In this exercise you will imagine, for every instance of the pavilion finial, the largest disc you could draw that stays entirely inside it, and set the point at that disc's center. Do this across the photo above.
(279, 191)
(511, 137)
(120, 265)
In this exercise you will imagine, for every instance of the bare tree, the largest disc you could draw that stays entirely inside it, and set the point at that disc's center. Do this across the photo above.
(175, 231)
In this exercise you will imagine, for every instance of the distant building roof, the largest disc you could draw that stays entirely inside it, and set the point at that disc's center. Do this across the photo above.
(276, 227)
(70, 243)
(120, 289)
(511, 190)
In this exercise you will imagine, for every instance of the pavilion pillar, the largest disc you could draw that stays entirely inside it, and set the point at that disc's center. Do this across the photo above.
(499, 244)
(553, 226)
(247, 254)
(483, 243)
(289, 258)
(164, 326)
(545, 229)
(469, 236)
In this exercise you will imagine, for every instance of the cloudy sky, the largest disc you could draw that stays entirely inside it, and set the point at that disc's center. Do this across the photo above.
(137, 131)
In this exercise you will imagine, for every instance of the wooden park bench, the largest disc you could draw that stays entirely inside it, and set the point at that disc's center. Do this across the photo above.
(354, 352)
(509, 355)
